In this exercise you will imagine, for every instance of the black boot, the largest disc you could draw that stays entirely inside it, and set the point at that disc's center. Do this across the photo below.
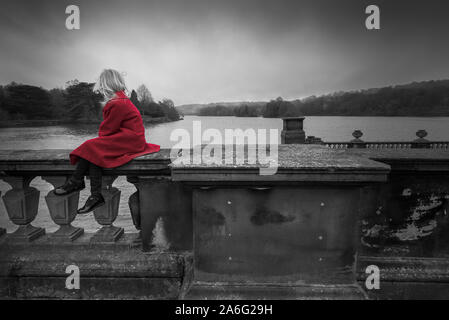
(69, 187)
(94, 201)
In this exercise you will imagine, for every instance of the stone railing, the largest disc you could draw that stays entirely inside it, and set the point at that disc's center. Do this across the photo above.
(230, 229)
(293, 133)
(404, 224)
(229, 217)
(112, 264)
(357, 142)
(19, 168)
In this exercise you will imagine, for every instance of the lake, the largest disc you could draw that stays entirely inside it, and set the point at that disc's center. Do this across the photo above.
(336, 129)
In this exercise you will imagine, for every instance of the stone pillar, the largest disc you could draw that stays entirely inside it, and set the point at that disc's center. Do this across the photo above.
(106, 214)
(22, 203)
(2, 231)
(160, 197)
(63, 210)
(357, 143)
(292, 132)
(421, 142)
(134, 208)
(152, 206)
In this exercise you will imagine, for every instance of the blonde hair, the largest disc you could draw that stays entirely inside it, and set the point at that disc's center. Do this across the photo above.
(109, 83)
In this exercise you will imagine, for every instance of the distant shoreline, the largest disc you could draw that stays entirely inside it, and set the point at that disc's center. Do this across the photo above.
(323, 115)
(45, 123)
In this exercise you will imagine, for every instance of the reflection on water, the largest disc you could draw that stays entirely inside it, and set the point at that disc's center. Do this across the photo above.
(70, 136)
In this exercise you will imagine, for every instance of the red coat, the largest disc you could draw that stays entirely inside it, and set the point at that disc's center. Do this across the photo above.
(121, 137)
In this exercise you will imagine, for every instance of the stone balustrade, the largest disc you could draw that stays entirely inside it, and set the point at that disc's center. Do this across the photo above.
(19, 168)
(418, 143)
(290, 234)
(293, 133)
(186, 196)
(227, 225)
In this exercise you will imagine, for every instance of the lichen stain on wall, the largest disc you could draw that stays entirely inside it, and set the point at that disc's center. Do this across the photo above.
(421, 216)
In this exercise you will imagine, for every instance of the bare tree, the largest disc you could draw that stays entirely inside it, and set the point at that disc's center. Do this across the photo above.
(144, 95)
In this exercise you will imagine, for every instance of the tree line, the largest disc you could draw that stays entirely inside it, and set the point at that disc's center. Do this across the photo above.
(430, 98)
(77, 102)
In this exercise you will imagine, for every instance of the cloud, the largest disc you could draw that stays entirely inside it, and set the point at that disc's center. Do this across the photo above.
(210, 50)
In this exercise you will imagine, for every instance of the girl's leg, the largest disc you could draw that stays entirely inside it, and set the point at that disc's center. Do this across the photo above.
(95, 173)
(80, 171)
(96, 198)
(76, 181)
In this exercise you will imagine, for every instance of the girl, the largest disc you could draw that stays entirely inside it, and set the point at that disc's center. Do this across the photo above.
(121, 138)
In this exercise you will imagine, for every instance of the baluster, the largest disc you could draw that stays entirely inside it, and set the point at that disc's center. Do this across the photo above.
(161, 196)
(421, 142)
(106, 214)
(150, 205)
(357, 142)
(134, 208)
(22, 204)
(63, 210)
(2, 231)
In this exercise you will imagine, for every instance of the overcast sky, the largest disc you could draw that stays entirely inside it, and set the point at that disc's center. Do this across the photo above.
(198, 51)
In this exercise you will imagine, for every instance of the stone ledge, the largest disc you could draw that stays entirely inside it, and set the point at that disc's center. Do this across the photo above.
(56, 162)
(90, 288)
(201, 291)
(406, 269)
(393, 290)
(46, 258)
(418, 160)
(407, 278)
(295, 163)
(110, 271)
(290, 156)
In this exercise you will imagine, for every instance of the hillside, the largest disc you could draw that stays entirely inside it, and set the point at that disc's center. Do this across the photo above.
(428, 98)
